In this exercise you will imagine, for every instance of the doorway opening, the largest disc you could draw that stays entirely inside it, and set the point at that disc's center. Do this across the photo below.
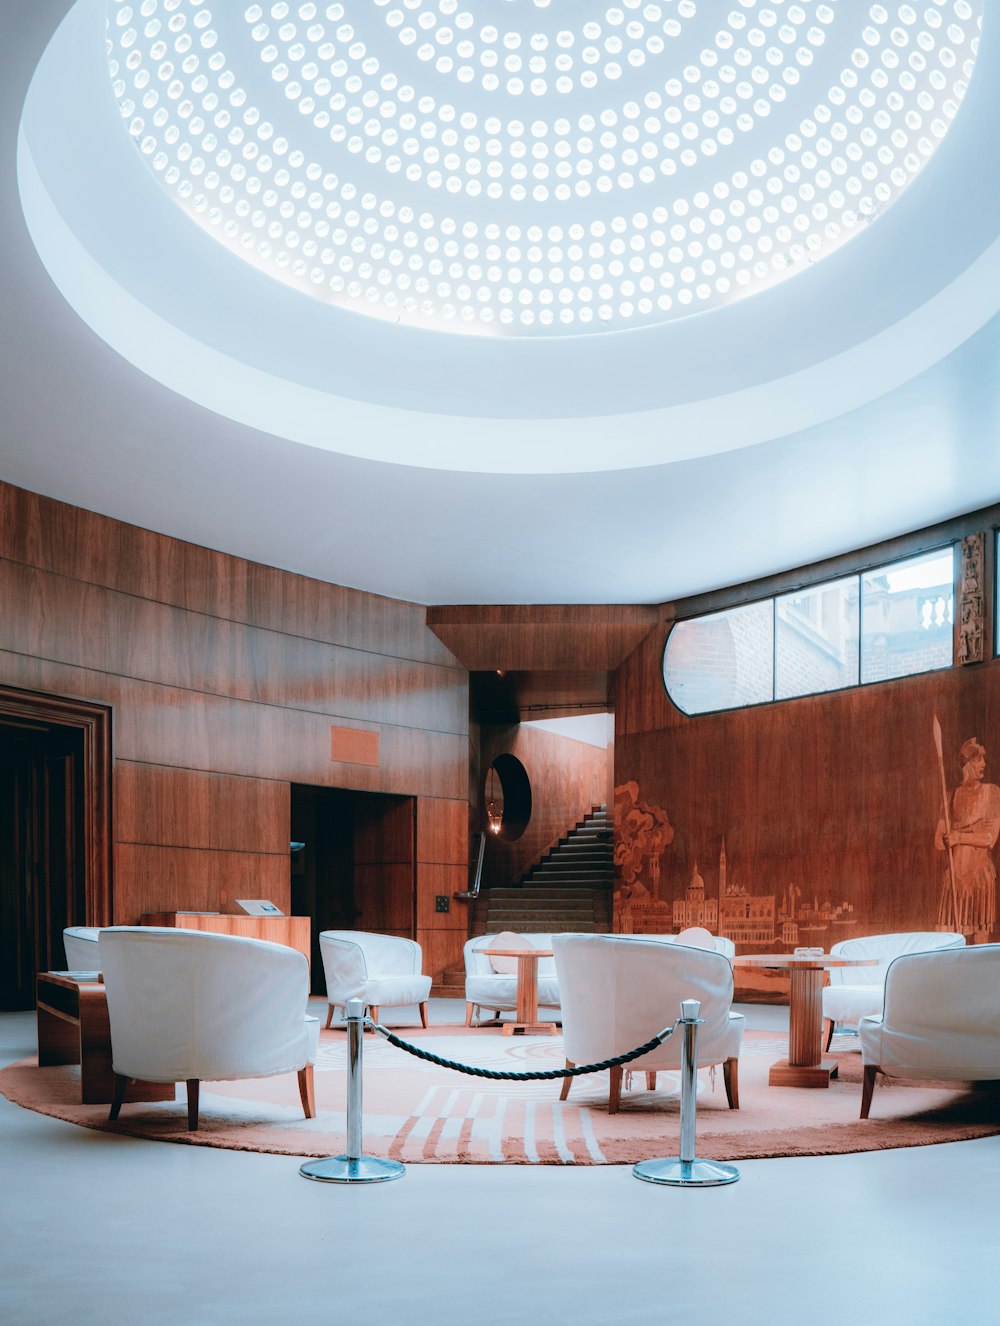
(353, 863)
(55, 853)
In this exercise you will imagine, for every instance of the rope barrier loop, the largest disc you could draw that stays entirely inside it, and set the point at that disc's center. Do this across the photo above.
(538, 1075)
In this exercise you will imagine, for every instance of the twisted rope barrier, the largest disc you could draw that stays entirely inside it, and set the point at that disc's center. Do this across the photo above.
(680, 1172)
(536, 1075)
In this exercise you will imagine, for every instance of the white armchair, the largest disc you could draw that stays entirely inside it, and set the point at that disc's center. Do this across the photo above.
(184, 1006)
(491, 982)
(698, 938)
(618, 990)
(80, 943)
(380, 970)
(855, 992)
(941, 1019)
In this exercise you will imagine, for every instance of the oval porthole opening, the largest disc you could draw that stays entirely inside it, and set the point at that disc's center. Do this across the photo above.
(507, 798)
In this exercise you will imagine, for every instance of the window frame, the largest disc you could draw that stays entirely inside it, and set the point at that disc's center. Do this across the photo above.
(870, 569)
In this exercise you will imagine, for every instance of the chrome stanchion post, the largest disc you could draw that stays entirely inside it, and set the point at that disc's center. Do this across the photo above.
(686, 1170)
(353, 1167)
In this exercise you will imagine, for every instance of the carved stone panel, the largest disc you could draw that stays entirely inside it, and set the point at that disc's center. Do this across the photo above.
(971, 616)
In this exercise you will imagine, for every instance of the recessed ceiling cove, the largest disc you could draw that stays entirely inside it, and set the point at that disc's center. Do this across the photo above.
(537, 167)
(521, 237)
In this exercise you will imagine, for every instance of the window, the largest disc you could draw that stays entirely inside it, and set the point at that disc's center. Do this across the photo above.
(907, 615)
(722, 661)
(816, 639)
(889, 622)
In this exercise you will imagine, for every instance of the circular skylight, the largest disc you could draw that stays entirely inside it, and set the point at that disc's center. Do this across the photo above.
(537, 167)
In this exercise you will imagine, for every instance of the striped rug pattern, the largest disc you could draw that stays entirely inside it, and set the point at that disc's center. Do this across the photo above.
(417, 1112)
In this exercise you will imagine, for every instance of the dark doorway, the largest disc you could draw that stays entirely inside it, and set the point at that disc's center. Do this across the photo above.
(355, 868)
(42, 882)
(55, 833)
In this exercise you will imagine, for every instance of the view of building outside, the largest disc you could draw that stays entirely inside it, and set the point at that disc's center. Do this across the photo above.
(722, 661)
(817, 639)
(907, 616)
(891, 622)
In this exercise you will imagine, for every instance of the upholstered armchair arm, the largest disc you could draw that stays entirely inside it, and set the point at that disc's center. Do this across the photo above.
(344, 967)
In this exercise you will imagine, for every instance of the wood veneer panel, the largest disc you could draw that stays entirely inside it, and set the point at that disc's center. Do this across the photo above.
(567, 778)
(836, 795)
(85, 625)
(438, 880)
(185, 807)
(560, 637)
(173, 879)
(292, 931)
(163, 725)
(383, 897)
(441, 950)
(84, 546)
(384, 832)
(443, 831)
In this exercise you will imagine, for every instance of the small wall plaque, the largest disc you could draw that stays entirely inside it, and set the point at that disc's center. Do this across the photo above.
(354, 745)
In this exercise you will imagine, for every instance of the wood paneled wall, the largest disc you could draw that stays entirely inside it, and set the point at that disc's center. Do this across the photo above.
(225, 679)
(838, 795)
(567, 778)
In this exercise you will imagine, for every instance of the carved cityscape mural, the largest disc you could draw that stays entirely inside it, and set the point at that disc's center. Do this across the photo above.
(783, 914)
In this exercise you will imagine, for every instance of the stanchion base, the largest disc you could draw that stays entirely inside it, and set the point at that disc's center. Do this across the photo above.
(345, 1169)
(679, 1173)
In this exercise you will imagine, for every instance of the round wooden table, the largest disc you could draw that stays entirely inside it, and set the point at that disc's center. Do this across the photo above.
(527, 991)
(805, 1065)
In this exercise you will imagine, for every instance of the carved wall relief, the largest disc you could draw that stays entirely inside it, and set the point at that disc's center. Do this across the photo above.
(971, 615)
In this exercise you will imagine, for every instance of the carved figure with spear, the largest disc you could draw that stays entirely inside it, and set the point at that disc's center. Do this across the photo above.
(968, 830)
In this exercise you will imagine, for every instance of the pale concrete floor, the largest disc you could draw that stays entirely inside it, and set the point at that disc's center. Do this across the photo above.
(99, 1229)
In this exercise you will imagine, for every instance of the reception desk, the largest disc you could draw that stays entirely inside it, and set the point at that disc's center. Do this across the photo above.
(294, 931)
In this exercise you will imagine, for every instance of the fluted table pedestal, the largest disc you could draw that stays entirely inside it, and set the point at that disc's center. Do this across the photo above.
(805, 1065)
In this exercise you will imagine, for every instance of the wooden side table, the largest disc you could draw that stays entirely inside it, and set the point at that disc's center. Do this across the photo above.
(805, 1065)
(527, 991)
(73, 1029)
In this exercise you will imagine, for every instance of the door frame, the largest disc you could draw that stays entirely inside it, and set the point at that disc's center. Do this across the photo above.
(94, 722)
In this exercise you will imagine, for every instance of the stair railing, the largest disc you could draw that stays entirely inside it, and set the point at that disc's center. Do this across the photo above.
(474, 891)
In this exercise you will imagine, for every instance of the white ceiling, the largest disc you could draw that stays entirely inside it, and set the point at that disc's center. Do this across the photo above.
(852, 402)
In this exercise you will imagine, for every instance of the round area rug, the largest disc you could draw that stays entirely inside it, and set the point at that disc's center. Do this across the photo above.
(418, 1112)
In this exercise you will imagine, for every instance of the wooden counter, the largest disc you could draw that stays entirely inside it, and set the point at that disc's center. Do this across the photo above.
(293, 931)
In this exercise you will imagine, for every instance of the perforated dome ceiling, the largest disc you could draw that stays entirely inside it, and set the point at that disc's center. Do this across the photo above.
(534, 166)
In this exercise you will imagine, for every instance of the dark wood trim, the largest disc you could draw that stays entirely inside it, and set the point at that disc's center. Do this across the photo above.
(94, 722)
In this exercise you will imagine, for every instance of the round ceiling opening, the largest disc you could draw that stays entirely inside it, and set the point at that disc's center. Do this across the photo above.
(537, 167)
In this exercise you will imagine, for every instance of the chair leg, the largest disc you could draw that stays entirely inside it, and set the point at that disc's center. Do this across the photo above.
(329, 1017)
(121, 1085)
(731, 1077)
(192, 1094)
(423, 1014)
(307, 1092)
(373, 1010)
(867, 1089)
(650, 1081)
(567, 1083)
(469, 1011)
(615, 1095)
(827, 1033)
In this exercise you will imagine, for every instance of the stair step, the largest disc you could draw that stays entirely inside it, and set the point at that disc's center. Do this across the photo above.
(569, 889)
(559, 871)
(562, 891)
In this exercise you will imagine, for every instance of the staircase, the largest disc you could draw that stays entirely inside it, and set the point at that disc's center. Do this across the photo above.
(569, 889)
